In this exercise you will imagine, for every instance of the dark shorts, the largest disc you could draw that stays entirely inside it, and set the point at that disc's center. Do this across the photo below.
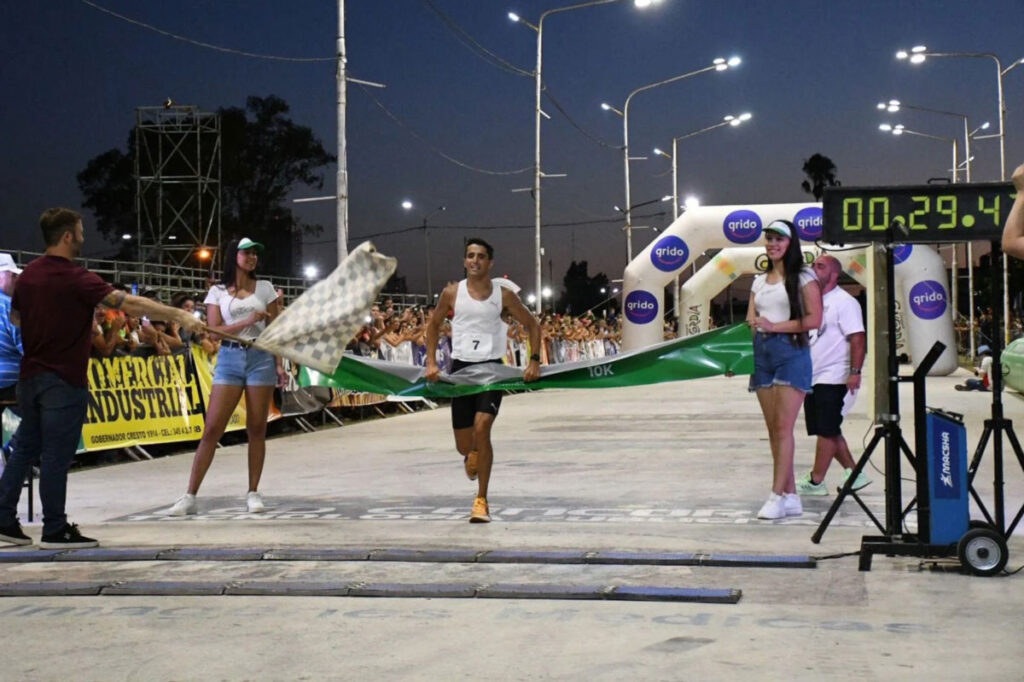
(465, 408)
(823, 410)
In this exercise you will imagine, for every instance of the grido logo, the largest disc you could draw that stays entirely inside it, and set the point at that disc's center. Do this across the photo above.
(669, 253)
(641, 307)
(901, 253)
(742, 227)
(809, 223)
(928, 299)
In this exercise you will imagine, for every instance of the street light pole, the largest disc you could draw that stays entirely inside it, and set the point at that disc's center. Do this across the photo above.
(342, 179)
(537, 113)
(426, 243)
(729, 120)
(719, 64)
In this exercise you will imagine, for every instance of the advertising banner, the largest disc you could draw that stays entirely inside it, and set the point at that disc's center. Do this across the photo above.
(143, 400)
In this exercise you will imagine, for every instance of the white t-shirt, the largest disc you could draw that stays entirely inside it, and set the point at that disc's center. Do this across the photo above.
(233, 309)
(830, 350)
(771, 301)
(985, 371)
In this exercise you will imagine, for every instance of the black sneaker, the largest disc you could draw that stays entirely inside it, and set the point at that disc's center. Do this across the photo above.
(14, 535)
(68, 538)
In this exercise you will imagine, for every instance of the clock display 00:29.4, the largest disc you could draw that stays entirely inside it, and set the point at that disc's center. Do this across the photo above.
(923, 213)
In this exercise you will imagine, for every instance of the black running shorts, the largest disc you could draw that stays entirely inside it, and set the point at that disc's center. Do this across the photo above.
(823, 410)
(465, 408)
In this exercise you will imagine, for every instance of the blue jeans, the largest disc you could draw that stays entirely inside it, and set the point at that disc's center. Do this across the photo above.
(780, 361)
(52, 413)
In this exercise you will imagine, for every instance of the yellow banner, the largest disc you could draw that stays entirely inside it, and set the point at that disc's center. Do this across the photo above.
(143, 401)
(135, 401)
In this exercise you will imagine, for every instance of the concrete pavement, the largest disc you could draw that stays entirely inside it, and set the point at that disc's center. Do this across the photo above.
(680, 467)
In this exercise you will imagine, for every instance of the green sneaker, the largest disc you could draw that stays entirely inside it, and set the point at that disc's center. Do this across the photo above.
(861, 482)
(805, 486)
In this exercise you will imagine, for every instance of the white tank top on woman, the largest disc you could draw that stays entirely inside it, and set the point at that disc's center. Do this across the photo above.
(478, 332)
(771, 300)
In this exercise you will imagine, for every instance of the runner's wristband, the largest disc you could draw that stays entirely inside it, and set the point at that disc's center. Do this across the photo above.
(535, 357)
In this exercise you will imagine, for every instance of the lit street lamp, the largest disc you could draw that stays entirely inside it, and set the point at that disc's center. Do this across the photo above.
(900, 129)
(719, 64)
(729, 120)
(538, 112)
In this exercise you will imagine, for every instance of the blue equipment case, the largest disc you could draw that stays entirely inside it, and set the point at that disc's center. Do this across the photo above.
(947, 478)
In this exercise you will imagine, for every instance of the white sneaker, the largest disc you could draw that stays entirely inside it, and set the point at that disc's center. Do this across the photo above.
(791, 503)
(185, 506)
(774, 508)
(254, 503)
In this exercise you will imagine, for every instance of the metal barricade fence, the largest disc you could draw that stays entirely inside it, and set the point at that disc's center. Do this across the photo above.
(167, 280)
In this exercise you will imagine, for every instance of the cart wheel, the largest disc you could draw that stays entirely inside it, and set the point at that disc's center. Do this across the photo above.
(978, 523)
(983, 551)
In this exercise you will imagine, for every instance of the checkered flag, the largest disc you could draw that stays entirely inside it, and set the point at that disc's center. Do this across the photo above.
(314, 330)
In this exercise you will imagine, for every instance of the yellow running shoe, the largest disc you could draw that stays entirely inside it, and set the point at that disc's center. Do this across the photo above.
(481, 514)
(470, 462)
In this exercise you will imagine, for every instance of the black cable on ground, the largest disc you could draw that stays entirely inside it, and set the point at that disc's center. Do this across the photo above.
(836, 556)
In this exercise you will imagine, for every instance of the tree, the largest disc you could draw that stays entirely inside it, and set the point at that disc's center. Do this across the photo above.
(264, 156)
(582, 292)
(821, 173)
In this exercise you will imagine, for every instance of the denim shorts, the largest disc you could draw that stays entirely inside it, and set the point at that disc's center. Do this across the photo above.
(779, 361)
(244, 367)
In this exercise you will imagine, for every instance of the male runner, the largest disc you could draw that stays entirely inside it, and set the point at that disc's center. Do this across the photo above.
(478, 335)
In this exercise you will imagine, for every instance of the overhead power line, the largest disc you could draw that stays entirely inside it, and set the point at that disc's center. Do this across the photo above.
(467, 228)
(474, 45)
(199, 43)
(432, 146)
(574, 124)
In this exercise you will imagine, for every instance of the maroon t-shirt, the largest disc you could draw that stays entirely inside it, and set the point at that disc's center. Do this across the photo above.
(56, 299)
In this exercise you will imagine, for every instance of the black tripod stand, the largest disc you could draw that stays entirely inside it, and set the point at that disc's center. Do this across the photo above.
(998, 424)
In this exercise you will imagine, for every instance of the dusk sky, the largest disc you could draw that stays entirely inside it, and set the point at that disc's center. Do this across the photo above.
(812, 73)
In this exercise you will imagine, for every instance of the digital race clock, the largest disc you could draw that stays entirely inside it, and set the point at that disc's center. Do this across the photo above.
(921, 213)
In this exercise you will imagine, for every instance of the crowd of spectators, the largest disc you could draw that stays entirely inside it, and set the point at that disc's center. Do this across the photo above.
(115, 333)
(983, 331)
(398, 335)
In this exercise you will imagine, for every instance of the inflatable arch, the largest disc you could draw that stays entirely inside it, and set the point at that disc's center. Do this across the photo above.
(919, 272)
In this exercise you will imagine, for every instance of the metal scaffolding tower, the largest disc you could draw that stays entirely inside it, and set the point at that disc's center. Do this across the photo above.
(177, 185)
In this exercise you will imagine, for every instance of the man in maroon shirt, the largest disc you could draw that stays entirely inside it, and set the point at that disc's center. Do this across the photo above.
(53, 303)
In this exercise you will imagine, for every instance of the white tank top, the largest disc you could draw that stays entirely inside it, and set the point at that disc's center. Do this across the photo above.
(478, 332)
